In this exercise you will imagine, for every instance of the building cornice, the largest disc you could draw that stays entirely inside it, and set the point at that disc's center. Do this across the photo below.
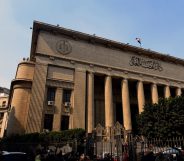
(104, 69)
(39, 26)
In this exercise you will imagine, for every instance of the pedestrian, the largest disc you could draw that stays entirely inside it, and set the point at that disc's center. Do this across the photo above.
(38, 157)
(82, 156)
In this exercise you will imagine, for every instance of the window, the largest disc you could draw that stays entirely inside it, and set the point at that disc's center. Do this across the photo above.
(64, 122)
(66, 95)
(4, 104)
(48, 121)
(51, 94)
(1, 115)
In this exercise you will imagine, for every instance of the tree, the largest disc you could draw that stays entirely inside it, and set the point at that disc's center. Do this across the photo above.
(165, 119)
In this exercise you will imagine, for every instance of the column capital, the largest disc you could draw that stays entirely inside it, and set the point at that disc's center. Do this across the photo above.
(167, 82)
(59, 88)
(125, 79)
(91, 72)
(108, 75)
(139, 80)
(154, 84)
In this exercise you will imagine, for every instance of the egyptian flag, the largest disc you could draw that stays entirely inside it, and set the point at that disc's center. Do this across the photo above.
(138, 40)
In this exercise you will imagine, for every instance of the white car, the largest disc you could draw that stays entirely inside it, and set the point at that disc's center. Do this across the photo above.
(13, 156)
(171, 151)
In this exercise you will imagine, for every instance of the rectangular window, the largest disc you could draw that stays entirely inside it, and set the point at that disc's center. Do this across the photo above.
(48, 121)
(51, 94)
(66, 95)
(4, 104)
(1, 115)
(64, 122)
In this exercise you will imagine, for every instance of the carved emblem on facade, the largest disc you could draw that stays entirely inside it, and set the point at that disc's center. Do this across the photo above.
(150, 64)
(63, 47)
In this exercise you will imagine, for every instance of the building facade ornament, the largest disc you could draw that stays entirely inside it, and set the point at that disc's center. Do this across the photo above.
(63, 47)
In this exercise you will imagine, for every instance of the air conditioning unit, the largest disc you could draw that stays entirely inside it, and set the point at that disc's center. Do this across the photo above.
(67, 104)
(45, 130)
(67, 109)
(50, 103)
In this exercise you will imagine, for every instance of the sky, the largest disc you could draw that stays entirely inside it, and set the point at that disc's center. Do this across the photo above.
(159, 24)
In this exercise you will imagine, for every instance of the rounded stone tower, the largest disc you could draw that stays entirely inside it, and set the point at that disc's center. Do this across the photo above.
(20, 93)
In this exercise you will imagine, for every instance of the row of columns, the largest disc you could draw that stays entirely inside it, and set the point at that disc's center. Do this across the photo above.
(109, 119)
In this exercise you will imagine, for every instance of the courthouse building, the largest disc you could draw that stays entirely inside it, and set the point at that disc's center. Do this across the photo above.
(77, 80)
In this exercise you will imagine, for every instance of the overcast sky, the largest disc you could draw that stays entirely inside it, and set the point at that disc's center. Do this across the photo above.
(159, 24)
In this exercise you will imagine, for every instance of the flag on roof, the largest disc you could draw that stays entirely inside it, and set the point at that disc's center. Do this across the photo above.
(138, 40)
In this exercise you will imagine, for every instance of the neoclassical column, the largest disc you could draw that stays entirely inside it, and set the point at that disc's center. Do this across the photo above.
(108, 102)
(167, 92)
(154, 93)
(126, 105)
(90, 103)
(140, 96)
(58, 108)
(178, 92)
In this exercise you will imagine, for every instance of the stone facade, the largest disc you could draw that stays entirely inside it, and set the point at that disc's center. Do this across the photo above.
(76, 80)
(4, 95)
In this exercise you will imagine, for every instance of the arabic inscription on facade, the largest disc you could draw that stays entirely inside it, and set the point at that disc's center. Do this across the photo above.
(150, 64)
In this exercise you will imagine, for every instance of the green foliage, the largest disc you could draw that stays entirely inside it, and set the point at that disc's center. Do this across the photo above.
(49, 137)
(165, 119)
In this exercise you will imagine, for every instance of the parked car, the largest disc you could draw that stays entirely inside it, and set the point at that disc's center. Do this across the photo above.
(173, 154)
(172, 151)
(13, 156)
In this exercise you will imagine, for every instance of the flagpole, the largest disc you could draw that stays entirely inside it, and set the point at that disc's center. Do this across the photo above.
(139, 41)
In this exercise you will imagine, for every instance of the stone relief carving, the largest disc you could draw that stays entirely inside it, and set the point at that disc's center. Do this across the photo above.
(150, 64)
(63, 47)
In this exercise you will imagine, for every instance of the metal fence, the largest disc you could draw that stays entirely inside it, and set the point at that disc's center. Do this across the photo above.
(113, 142)
(123, 146)
(165, 148)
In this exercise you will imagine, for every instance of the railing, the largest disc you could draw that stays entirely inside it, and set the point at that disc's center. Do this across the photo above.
(158, 149)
